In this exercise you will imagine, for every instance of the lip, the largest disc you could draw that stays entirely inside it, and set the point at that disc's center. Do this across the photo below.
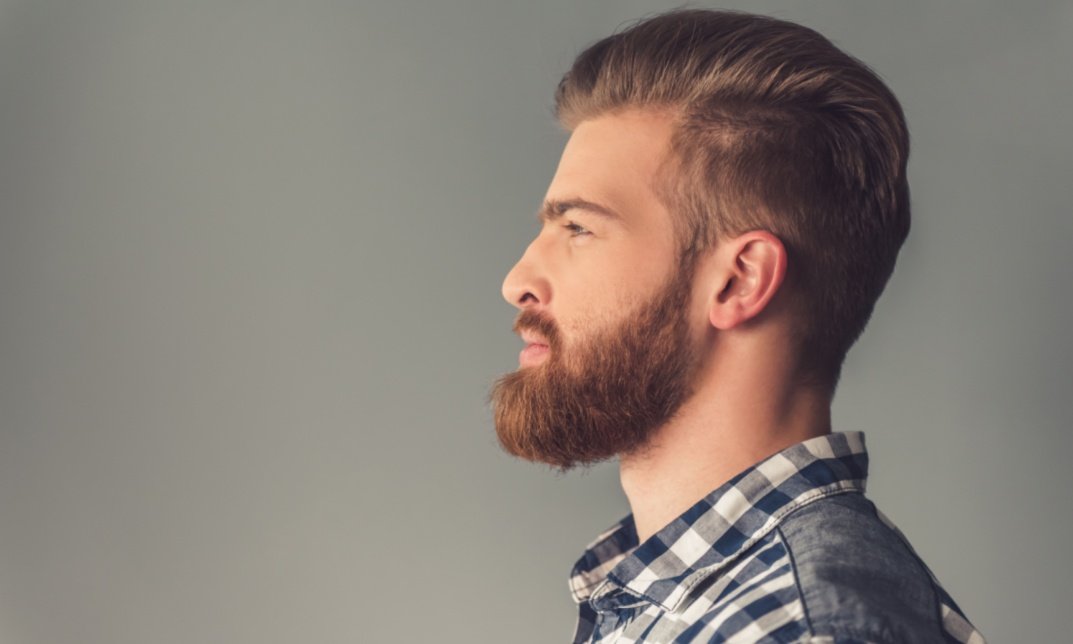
(529, 337)
(533, 354)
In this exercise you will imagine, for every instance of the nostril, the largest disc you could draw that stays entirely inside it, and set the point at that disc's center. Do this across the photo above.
(525, 286)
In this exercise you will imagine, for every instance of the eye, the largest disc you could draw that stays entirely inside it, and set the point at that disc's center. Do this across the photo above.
(575, 229)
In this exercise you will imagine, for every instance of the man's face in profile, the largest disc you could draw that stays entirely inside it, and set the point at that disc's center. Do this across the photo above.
(604, 305)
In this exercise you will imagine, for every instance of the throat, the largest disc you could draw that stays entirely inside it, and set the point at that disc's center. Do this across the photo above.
(686, 461)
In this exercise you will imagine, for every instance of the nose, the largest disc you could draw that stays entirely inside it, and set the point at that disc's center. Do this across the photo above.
(526, 285)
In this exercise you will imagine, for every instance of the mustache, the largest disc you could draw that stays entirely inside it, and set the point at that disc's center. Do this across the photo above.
(530, 320)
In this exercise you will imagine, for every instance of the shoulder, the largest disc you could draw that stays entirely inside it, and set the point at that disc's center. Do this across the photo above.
(857, 578)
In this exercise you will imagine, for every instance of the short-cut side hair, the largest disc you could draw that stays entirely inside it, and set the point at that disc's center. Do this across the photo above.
(775, 129)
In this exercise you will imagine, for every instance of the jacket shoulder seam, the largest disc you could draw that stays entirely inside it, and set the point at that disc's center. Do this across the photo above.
(797, 578)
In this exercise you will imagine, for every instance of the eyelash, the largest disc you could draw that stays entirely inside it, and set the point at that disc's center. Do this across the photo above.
(576, 230)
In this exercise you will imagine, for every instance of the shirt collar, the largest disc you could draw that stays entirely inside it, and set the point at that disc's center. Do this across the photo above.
(617, 571)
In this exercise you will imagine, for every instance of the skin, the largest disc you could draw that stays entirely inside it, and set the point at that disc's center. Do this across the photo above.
(748, 403)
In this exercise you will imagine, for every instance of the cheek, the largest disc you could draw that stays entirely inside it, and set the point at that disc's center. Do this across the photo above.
(604, 313)
(605, 289)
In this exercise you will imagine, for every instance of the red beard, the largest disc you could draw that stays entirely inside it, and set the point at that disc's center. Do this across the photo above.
(624, 385)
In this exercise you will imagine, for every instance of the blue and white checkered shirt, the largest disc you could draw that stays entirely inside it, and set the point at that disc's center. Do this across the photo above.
(788, 551)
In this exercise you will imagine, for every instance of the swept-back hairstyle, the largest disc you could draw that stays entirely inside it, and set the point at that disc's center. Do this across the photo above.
(775, 129)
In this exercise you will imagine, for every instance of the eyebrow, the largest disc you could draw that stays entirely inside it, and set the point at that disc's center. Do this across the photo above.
(555, 208)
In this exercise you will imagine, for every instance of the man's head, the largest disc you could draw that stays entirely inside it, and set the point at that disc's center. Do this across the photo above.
(600, 289)
(697, 133)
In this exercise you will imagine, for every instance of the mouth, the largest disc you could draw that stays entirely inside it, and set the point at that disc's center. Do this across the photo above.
(536, 348)
(533, 354)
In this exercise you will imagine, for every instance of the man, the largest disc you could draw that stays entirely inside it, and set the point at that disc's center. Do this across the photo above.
(726, 212)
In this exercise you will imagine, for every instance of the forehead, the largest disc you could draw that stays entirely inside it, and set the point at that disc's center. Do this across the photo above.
(613, 159)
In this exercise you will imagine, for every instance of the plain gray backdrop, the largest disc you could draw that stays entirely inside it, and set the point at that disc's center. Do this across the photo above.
(250, 263)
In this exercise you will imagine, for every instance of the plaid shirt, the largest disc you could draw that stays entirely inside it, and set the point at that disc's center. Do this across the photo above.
(787, 551)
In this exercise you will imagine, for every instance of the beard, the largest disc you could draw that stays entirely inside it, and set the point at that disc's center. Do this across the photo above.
(621, 386)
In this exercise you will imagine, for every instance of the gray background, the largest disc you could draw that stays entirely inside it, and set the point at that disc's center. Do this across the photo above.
(250, 259)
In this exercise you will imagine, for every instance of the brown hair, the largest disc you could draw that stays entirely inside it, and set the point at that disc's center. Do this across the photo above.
(776, 129)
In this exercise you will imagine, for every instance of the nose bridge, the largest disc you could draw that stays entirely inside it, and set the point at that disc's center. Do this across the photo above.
(527, 280)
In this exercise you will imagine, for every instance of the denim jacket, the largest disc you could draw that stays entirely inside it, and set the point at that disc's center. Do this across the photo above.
(789, 550)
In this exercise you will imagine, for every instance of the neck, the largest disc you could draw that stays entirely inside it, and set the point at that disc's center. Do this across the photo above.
(733, 421)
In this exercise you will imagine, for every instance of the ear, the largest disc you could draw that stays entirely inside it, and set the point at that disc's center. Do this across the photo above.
(751, 268)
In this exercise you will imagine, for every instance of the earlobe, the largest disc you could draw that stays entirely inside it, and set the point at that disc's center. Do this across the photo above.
(724, 310)
(754, 267)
